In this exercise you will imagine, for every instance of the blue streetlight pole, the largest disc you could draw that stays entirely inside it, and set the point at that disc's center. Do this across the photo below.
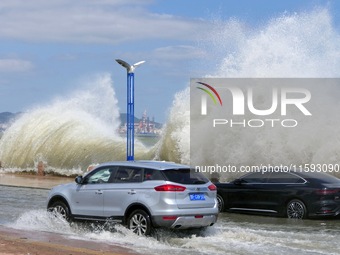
(130, 118)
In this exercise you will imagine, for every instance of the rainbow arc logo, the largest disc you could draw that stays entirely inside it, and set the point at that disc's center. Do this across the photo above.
(208, 89)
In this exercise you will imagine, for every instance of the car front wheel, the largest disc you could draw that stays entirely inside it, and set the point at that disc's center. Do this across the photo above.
(59, 208)
(296, 209)
(139, 222)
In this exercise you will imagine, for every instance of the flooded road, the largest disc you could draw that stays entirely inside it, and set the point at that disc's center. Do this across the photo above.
(24, 208)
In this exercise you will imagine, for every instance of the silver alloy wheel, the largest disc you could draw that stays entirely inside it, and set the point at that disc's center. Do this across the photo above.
(60, 210)
(138, 224)
(296, 209)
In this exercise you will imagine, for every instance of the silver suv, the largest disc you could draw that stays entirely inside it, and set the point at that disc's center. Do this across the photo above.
(139, 194)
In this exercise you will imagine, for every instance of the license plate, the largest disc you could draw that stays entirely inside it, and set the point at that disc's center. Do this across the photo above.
(197, 196)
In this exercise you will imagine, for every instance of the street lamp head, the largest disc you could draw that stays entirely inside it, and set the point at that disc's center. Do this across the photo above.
(123, 63)
(129, 68)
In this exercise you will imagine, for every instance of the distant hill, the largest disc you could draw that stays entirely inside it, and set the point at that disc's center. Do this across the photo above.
(6, 117)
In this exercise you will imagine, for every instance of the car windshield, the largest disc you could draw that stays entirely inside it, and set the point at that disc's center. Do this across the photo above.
(185, 176)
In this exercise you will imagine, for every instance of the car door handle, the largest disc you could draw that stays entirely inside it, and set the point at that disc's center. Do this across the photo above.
(132, 192)
(99, 192)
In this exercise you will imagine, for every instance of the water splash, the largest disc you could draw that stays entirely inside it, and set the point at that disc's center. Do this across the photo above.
(244, 235)
(175, 143)
(69, 134)
(294, 45)
(297, 45)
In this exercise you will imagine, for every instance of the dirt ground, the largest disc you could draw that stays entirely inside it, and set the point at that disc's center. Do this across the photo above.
(19, 242)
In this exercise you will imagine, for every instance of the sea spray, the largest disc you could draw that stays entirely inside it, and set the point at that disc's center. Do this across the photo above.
(297, 45)
(175, 143)
(304, 44)
(69, 134)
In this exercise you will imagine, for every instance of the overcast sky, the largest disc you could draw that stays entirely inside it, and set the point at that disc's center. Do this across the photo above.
(49, 47)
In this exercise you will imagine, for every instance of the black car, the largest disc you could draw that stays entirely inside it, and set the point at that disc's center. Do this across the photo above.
(288, 194)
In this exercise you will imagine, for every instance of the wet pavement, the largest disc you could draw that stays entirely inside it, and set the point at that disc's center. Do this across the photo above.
(32, 181)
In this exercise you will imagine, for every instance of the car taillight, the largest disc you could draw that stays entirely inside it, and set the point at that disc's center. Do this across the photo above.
(170, 187)
(326, 191)
(212, 187)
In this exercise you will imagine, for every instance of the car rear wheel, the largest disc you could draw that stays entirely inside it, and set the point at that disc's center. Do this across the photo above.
(296, 209)
(59, 208)
(220, 203)
(139, 222)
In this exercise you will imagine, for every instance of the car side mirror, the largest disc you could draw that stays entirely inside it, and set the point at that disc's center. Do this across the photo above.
(79, 180)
